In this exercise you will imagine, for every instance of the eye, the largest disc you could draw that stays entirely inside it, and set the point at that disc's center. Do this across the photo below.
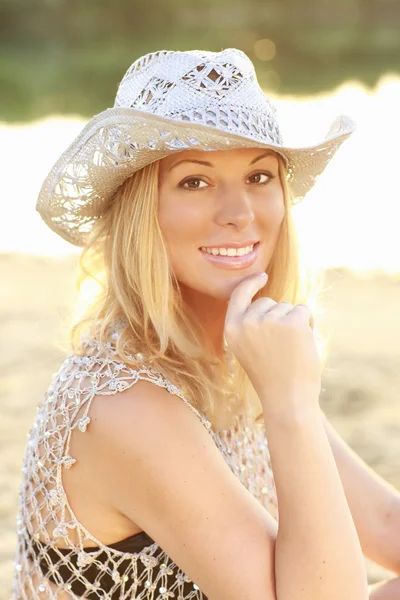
(193, 183)
(260, 178)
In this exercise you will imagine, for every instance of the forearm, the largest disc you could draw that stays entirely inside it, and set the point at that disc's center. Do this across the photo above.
(385, 590)
(373, 502)
(387, 551)
(317, 555)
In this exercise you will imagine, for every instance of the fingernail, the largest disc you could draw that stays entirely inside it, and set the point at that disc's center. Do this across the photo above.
(262, 274)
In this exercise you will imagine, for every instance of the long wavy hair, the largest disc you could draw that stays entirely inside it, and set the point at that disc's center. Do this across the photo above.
(127, 259)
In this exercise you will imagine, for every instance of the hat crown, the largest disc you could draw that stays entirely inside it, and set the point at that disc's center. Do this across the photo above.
(218, 89)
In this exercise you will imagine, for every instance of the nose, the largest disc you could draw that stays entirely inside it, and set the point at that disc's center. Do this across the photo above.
(234, 208)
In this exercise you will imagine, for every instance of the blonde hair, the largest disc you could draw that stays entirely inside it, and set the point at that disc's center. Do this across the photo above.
(127, 258)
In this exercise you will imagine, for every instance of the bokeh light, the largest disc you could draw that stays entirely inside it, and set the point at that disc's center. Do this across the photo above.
(264, 49)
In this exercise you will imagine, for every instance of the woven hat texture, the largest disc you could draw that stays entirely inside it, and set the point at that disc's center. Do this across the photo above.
(168, 102)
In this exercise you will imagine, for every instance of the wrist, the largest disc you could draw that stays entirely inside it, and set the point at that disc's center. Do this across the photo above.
(291, 409)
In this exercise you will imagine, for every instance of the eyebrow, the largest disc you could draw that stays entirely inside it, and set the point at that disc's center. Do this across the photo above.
(208, 164)
(267, 153)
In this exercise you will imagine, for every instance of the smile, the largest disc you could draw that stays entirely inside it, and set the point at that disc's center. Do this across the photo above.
(231, 258)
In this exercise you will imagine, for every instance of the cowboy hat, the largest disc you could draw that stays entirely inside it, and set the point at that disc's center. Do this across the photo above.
(168, 102)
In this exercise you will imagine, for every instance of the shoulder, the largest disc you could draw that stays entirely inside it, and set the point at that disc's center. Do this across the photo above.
(110, 374)
(146, 413)
(141, 446)
(133, 410)
(144, 404)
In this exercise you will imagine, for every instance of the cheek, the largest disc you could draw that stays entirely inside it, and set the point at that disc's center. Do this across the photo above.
(180, 227)
(180, 221)
(272, 212)
(167, 216)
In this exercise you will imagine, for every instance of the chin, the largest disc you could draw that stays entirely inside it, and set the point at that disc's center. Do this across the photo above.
(222, 293)
(222, 289)
(218, 286)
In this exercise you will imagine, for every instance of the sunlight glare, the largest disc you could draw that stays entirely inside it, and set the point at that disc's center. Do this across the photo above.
(349, 219)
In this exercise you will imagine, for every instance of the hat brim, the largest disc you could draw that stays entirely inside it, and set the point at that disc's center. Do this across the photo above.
(120, 141)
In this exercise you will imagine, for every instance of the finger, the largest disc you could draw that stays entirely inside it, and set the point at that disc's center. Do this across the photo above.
(281, 309)
(242, 295)
(260, 306)
(277, 311)
(303, 313)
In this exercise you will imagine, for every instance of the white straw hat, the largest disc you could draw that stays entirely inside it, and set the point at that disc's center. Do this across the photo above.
(168, 102)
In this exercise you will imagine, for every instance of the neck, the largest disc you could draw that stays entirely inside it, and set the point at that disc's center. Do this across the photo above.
(210, 313)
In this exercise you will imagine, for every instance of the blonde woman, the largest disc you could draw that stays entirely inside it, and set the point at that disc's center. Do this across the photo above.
(187, 411)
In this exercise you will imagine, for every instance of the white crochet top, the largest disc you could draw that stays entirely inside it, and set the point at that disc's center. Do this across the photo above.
(49, 564)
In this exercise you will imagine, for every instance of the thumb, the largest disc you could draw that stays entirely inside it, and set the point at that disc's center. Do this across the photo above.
(243, 294)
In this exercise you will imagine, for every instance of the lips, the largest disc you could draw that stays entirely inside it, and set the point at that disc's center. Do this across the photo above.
(232, 262)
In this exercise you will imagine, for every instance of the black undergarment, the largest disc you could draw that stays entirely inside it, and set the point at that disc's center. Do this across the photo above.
(47, 556)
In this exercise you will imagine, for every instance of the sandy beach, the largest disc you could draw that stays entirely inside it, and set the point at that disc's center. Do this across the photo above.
(361, 382)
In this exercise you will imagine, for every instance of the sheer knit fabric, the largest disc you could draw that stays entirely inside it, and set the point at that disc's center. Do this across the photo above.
(53, 560)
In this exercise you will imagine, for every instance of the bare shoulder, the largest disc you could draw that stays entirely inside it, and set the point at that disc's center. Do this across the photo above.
(145, 412)
(144, 430)
(163, 471)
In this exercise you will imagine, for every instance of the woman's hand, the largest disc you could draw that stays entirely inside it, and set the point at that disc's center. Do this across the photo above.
(274, 343)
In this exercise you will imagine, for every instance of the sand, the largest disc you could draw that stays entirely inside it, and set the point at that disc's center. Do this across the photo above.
(361, 381)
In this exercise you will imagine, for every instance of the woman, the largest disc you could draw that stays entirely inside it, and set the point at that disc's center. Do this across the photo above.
(147, 472)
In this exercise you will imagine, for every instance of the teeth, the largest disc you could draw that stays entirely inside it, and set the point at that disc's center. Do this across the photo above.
(228, 251)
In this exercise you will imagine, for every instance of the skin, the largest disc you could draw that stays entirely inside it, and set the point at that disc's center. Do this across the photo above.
(227, 200)
(231, 200)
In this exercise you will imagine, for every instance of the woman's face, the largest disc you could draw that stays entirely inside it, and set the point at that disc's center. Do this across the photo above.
(215, 205)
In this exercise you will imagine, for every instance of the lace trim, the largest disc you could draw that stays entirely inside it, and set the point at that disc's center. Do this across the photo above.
(46, 516)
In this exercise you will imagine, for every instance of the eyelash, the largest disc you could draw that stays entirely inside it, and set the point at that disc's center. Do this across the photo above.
(189, 179)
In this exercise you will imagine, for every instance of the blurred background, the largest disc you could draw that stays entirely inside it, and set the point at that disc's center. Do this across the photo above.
(61, 62)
